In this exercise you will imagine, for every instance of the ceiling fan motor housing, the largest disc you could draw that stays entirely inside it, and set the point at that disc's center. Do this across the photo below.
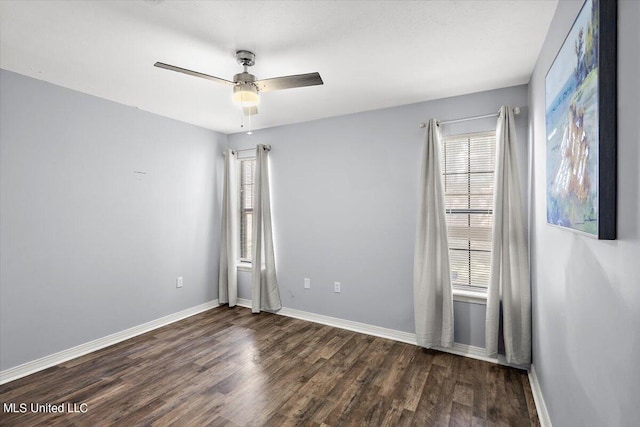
(244, 77)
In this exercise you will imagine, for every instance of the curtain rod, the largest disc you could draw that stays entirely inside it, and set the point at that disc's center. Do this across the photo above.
(516, 111)
(266, 148)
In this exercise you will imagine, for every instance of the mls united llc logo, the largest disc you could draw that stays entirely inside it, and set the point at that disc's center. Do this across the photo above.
(45, 408)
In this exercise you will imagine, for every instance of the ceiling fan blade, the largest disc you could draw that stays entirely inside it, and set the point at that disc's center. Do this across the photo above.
(250, 111)
(287, 82)
(192, 73)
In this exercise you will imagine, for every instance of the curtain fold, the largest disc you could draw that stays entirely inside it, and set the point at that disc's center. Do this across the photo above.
(228, 274)
(509, 282)
(264, 284)
(433, 300)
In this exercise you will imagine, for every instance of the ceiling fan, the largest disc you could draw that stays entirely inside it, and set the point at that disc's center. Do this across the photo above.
(246, 88)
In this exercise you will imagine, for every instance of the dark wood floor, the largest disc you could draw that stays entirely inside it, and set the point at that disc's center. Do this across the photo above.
(229, 367)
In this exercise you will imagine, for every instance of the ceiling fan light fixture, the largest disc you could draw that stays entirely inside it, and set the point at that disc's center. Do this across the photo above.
(246, 95)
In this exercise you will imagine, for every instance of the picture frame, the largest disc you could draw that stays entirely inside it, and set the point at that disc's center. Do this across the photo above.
(581, 125)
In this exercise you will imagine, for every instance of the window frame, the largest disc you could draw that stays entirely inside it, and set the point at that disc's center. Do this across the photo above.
(468, 293)
(244, 264)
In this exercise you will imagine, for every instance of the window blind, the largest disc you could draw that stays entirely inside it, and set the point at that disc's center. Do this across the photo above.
(246, 170)
(468, 163)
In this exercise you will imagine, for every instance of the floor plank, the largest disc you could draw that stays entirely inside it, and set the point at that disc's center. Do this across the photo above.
(229, 367)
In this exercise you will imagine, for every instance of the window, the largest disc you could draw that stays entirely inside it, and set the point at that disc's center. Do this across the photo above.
(467, 163)
(246, 170)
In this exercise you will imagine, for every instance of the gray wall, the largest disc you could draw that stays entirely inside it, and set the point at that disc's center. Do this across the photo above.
(586, 293)
(89, 247)
(344, 196)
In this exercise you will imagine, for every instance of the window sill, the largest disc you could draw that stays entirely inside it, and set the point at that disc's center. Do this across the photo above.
(244, 266)
(472, 297)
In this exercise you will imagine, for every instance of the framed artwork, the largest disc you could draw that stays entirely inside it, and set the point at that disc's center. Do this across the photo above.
(581, 125)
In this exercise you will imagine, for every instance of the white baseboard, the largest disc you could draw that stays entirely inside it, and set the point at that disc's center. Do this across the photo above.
(470, 351)
(82, 349)
(350, 325)
(243, 302)
(541, 407)
(377, 331)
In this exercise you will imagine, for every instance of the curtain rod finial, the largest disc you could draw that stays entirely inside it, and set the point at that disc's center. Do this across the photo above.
(516, 110)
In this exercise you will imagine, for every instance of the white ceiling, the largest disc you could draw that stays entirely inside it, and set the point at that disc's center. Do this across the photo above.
(370, 54)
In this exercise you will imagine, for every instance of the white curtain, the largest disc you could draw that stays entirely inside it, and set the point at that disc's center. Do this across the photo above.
(228, 276)
(264, 284)
(509, 280)
(433, 301)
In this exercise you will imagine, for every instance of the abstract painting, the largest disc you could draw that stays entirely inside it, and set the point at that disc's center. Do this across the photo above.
(580, 121)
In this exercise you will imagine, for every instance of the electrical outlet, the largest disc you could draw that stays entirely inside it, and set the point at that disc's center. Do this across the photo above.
(179, 282)
(307, 283)
(336, 287)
